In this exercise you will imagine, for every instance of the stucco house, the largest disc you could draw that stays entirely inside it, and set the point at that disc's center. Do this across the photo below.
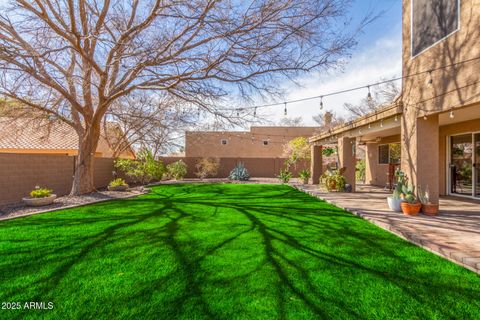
(432, 132)
(259, 142)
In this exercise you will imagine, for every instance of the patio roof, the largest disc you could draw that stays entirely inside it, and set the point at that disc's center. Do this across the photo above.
(383, 122)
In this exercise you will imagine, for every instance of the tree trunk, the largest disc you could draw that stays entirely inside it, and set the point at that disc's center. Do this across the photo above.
(83, 178)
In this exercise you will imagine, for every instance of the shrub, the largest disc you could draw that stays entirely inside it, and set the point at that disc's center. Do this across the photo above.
(207, 167)
(360, 170)
(40, 192)
(333, 180)
(239, 173)
(177, 170)
(285, 176)
(117, 183)
(304, 174)
(142, 170)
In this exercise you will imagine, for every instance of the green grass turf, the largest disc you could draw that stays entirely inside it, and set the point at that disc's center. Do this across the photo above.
(224, 251)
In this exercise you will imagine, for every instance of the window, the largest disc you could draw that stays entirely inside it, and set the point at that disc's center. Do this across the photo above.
(389, 153)
(433, 20)
(265, 142)
(223, 142)
(383, 154)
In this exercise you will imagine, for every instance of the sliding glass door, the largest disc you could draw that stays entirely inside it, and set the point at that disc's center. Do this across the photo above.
(476, 165)
(464, 168)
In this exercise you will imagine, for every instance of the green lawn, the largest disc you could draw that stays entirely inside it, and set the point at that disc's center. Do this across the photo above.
(224, 251)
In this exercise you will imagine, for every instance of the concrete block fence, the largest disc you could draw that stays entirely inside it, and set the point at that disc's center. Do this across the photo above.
(20, 173)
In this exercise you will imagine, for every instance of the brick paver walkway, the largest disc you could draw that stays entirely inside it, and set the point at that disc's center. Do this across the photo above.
(454, 234)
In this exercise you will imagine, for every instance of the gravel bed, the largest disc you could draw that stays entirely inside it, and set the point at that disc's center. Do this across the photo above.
(19, 209)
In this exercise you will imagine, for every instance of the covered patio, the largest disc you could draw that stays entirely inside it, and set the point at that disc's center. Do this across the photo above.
(453, 234)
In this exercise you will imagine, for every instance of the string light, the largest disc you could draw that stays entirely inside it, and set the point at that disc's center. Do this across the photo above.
(255, 112)
(451, 114)
(238, 112)
(369, 126)
(285, 110)
(424, 117)
(396, 118)
(381, 124)
(321, 102)
(369, 95)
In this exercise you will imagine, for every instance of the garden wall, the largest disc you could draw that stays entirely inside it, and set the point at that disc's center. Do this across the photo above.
(20, 173)
(257, 167)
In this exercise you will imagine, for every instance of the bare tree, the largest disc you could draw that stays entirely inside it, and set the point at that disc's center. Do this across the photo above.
(74, 59)
(291, 122)
(151, 121)
(382, 94)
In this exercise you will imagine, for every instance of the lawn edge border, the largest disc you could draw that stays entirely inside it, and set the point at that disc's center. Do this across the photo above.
(68, 207)
(449, 255)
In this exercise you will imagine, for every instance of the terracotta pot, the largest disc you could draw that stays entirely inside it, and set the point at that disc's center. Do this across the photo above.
(430, 209)
(411, 209)
(332, 185)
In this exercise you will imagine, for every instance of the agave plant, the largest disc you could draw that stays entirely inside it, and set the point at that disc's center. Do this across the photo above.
(239, 173)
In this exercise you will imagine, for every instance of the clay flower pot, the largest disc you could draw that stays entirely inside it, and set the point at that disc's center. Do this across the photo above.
(430, 209)
(411, 209)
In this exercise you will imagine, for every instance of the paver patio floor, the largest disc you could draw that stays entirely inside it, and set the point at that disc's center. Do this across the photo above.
(453, 234)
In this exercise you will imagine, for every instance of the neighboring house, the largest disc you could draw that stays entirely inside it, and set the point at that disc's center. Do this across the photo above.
(26, 136)
(259, 142)
(433, 131)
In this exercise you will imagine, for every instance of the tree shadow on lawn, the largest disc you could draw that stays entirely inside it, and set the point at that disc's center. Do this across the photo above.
(232, 255)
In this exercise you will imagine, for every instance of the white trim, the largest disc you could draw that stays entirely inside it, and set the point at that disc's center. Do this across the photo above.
(438, 41)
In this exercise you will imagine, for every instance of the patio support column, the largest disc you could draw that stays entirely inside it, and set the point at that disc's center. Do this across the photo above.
(346, 156)
(315, 163)
(371, 163)
(421, 152)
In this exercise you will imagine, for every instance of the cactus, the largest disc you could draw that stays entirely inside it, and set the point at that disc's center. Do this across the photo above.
(239, 173)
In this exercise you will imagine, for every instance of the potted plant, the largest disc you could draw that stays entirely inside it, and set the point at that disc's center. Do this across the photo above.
(395, 200)
(333, 180)
(428, 208)
(410, 206)
(304, 175)
(117, 184)
(40, 197)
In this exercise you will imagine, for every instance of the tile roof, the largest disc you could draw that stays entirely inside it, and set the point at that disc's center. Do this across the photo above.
(28, 134)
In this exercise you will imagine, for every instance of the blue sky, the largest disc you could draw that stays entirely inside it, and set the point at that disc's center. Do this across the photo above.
(377, 55)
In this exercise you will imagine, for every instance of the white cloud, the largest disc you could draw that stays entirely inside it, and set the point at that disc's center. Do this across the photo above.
(368, 65)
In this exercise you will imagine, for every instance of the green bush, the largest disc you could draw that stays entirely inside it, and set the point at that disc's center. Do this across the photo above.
(360, 172)
(285, 176)
(239, 173)
(177, 170)
(333, 180)
(304, 174)
(117, 183)
(142, 170)
(40, 192)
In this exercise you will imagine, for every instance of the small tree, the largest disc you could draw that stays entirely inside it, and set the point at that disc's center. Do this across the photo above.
(177, 170)
(144, 169)
(207, 167)
(296, 150)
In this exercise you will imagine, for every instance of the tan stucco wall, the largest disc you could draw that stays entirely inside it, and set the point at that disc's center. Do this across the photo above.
(245, 144)
(453, 87)
(376, 173)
